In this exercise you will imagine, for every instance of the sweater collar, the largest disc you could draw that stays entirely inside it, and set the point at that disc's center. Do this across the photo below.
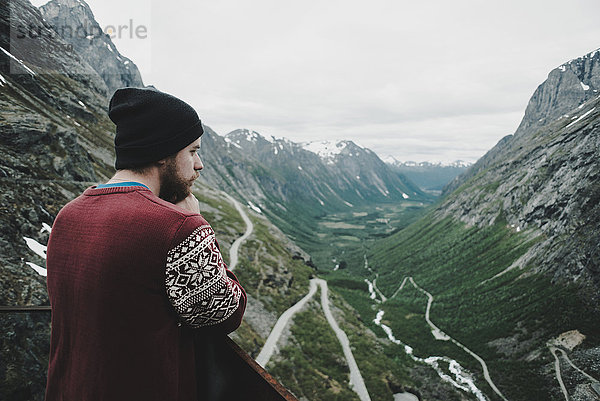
(122, 184)
(94, 190)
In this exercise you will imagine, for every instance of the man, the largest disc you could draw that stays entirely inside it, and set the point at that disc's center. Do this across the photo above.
(134, 271)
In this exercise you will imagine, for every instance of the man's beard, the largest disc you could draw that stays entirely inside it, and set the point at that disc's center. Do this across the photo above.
(173, 187)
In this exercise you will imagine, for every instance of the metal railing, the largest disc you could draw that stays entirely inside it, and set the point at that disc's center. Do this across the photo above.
(13, 309)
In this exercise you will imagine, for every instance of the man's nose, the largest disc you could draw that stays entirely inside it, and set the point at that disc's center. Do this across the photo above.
(198, 165)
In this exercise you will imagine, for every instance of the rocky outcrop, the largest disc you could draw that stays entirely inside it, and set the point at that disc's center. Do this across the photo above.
(544, 179)
(54, 131)
(566, 88)
(74, 22)
(55, 140)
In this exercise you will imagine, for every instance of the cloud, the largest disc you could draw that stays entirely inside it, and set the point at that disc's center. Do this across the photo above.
(430, 78)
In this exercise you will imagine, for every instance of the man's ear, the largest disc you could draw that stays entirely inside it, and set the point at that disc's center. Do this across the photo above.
(161, 162)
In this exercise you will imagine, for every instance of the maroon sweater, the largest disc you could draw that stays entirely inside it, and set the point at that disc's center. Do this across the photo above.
(132, 280)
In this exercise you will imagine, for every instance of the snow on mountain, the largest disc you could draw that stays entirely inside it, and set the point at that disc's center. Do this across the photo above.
(247, 134)
(409, 163)
(327, 150)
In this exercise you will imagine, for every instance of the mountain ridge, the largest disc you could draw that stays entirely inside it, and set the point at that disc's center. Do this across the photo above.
(389, 159)
(354, 175)
(552, 192)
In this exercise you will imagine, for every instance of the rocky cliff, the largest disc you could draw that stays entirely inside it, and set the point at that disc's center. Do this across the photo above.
(74, 22)
(54, 133)
(54, 141)
(544, 178)
(567, 87)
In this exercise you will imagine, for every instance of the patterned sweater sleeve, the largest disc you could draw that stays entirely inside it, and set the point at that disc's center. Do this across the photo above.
(199, 286)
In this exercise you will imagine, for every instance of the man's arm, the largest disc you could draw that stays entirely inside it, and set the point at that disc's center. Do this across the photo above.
(199, 286)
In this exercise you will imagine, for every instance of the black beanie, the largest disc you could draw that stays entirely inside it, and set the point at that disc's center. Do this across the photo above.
(151, 125)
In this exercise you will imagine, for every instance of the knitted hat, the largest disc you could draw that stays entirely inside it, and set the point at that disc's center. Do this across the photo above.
(151, 125)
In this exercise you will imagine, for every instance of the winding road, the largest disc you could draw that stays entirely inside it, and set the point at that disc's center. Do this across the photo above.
(267, 351)
(356, 380)
(558, 375)
(233, 251)
(563, 388)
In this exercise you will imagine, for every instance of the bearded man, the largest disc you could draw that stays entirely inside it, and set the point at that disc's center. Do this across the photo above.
(134, 270)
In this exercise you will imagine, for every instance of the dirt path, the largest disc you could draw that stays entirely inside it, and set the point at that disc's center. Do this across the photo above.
(383, 297)
(233, 251)
(400, 288)
(593, 379)
(437, 333)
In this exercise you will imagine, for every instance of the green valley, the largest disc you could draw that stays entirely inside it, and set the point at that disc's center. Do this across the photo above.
(507, 320)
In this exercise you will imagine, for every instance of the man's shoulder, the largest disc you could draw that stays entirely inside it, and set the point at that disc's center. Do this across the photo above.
(162, 206)
(192, 229)
(185, 221)
(131, 207)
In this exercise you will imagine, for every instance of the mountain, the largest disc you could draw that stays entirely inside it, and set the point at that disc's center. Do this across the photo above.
(566, 88)
(430, 177)
(297, 172)
(293, 184)
(545, 176)
(74, 22)
(509, 255)
(54, 140)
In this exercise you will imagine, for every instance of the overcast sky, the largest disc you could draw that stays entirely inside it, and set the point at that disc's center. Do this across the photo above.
(431, 80)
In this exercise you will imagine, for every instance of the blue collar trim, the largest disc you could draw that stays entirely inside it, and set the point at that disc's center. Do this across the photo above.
(122, 184)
